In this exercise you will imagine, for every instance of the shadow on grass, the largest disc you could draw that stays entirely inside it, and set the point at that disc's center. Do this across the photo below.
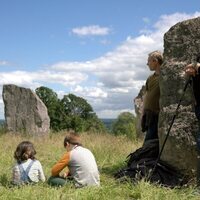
(3, 130)
(111, 170)
(4, 181)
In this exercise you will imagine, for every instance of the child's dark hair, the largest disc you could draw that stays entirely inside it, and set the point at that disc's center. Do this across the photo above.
(72, 138)
(24, 151)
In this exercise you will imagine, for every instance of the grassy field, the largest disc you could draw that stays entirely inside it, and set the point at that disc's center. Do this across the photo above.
(110, 153)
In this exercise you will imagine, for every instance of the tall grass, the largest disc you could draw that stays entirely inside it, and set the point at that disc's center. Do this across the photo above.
(110, 153)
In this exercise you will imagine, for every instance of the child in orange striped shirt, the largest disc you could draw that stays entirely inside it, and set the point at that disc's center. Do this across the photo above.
(80, 162)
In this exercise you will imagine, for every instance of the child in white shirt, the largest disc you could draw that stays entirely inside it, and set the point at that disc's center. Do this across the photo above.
(28, 169)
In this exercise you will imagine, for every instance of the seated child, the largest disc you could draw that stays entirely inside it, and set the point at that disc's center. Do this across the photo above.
(28, 169)
(80, 162)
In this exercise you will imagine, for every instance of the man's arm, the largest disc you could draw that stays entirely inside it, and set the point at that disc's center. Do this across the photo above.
(192, 70)
(61, 164)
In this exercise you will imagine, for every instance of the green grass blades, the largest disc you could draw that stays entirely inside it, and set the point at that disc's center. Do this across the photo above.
(110, 152)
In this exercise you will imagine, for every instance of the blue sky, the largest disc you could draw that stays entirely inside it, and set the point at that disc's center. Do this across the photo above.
(96, 49)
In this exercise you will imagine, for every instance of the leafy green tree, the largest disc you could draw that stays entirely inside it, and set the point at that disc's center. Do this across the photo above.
(76, 106)
(125, 125)
(50, 99)
(81, 114)
(47, 95)
(94, 124)
(71, 112)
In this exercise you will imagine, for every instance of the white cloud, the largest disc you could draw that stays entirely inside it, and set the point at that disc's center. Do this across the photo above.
(60, 93)
(91, 30)
(122, 72)
(146, 20)
(90, 92)
(113, 113)
(109, 82)
(34, 79)
(105, 42)
(4, 63)
(166, 21)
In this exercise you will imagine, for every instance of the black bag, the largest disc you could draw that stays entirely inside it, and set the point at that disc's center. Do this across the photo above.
(141, 163)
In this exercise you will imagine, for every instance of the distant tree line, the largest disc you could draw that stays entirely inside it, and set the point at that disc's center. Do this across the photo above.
(70, 112)
(124, 125)
(73, 112)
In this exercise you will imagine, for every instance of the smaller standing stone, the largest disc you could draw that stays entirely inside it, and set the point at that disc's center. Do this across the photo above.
(138, 103)
(24, 111)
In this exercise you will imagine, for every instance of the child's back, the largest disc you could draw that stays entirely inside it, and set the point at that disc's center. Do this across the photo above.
(27, 172)
(27, 169)
(81, 163)
(83, 167)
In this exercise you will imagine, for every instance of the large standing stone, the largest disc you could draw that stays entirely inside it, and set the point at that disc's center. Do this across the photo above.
(24, 111)
(181, 47)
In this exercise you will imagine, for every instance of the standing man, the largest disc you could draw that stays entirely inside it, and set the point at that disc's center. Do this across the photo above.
(151, 107)
(194, 72)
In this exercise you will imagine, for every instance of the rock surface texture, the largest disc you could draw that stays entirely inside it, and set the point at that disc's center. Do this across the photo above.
(181, 47)
(24, 111)
(138, 102)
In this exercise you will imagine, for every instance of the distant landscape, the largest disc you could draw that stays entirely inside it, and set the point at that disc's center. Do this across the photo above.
(108, 123)
(2, 121)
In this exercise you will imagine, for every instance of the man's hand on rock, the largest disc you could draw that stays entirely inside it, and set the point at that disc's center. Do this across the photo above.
(191, 69)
